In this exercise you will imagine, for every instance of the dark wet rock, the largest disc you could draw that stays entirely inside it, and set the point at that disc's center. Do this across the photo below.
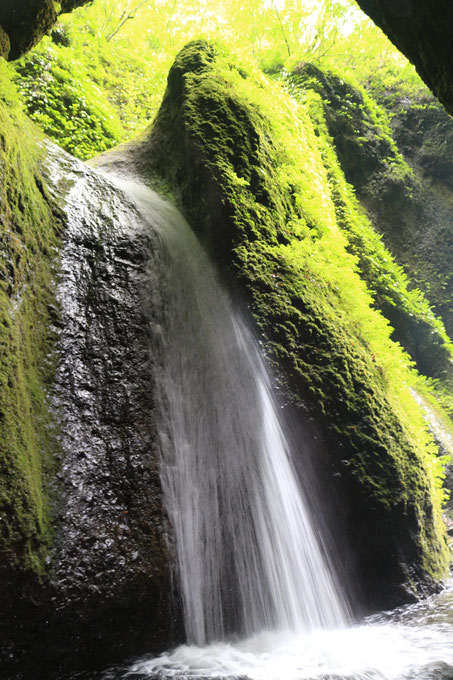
(69, 5)
(421, 29)
(111, 554)
(26, 23)
(108, 588)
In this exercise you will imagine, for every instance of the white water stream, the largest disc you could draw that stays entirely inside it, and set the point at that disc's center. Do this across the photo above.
(260, 597)
(249, 558)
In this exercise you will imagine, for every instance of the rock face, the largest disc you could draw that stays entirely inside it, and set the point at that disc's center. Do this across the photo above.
(110, 559)
(421, 29)
(220, 150)
(25, 22)
(83, 545)
(82, 541)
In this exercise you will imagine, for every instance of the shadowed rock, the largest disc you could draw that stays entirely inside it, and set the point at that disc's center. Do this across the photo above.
(421, 29)
(26, 21)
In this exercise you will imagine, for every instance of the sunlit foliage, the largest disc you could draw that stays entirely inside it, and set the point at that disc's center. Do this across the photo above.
(110, 59)
(100, 77)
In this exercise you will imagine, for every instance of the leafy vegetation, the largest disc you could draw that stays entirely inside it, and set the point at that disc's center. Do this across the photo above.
(60, 97)
(109, 60)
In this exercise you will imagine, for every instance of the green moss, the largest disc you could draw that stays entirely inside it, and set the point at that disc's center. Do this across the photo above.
(421, 333)
(87, 94)
(412, 212)
(244, 162)
(27, 250)
(358, 125)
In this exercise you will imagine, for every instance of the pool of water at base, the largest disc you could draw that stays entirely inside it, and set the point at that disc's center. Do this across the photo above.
(410, 643)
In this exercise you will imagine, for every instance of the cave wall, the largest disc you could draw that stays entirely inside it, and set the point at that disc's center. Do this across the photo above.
(420, 29)
(24, 22)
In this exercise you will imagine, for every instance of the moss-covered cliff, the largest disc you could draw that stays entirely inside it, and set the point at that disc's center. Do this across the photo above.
(423, 133)
(396, 155)
(30, 227)
(245, 164)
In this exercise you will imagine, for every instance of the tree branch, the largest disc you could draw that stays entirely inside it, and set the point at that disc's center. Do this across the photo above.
(281, 27)
(131, 15)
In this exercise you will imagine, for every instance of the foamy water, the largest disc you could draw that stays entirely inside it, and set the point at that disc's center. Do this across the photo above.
(412, 643)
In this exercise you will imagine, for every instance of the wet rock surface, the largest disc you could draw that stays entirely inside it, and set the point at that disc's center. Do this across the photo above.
(108, 584)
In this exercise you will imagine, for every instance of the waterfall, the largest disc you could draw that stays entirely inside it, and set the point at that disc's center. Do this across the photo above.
(249, 557)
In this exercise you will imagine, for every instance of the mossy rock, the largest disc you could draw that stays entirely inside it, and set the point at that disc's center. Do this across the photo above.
(362, 138)
(423, 132)
(30, 226)
(84, 557)
(29, 235)
(245, 166)
(388, 161)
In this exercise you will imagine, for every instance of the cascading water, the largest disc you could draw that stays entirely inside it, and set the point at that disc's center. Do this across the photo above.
(248, 555)
(249, 559)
